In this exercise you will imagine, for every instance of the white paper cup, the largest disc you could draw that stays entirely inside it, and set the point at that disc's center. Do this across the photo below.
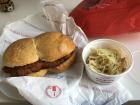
(101, 78)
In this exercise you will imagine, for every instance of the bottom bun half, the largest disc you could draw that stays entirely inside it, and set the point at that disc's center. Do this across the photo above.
(40, 73)
(64, 66)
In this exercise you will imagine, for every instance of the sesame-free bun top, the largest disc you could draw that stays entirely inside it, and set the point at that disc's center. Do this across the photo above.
(48, 47)
(20, 53)
(53, 45)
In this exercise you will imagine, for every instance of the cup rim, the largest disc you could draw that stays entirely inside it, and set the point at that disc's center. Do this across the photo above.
(107, 75)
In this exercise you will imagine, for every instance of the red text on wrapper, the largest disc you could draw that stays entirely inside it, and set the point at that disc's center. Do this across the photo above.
(53, 91)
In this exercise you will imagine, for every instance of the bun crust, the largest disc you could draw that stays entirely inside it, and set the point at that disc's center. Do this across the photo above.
(53, 45)
(20, 53)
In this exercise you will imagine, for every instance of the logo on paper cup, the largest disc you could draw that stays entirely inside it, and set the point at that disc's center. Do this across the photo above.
(53, 91)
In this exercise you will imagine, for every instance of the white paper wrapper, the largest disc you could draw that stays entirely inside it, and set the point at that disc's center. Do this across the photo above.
(68, 88)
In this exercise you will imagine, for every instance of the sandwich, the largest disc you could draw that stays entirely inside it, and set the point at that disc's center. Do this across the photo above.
(47, 52)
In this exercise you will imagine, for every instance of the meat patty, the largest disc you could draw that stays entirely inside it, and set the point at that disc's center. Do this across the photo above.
(34, 67)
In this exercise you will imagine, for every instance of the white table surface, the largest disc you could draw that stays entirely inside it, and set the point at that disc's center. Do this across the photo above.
(24, 8)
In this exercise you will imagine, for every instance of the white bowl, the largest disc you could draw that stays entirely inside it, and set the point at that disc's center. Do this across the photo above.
(101, 78)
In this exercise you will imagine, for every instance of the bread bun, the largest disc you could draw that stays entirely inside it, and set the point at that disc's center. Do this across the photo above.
(40, 73)
(20, 53)
(53, 45)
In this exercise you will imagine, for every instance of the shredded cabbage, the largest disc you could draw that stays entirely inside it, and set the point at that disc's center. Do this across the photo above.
(107, 61)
